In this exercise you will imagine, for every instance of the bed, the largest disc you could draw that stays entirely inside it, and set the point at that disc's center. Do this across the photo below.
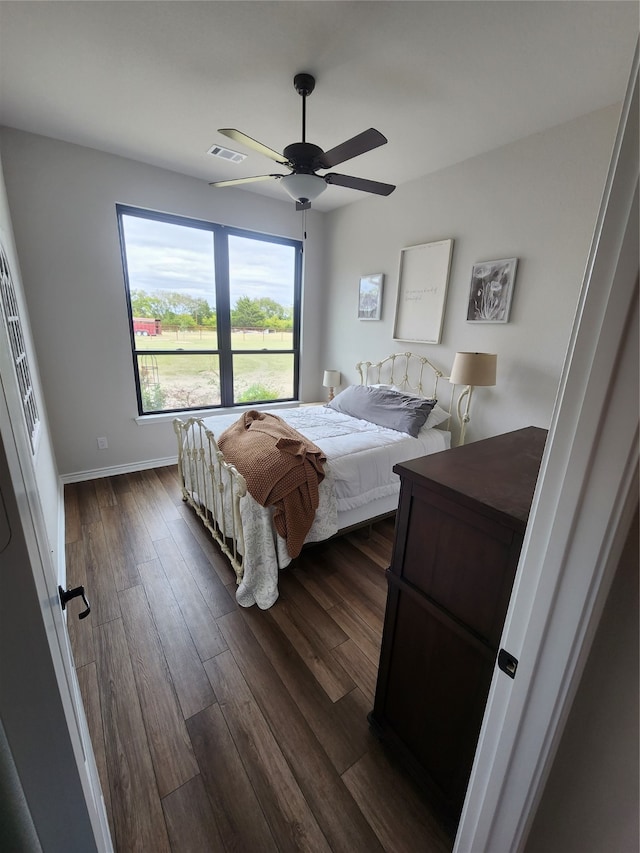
(359, 485)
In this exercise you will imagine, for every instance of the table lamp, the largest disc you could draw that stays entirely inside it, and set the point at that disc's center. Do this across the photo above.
(331, 380)
(471, 369)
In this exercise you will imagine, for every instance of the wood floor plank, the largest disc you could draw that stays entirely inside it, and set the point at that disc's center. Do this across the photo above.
(393, 807)
(338, 817)
(369, 580)
(104, 492)
(118, 538)
(219, 562)
(369, 612)
(237, 812)
(197, 615)
(80, 630)
(119, 484)
(173, 759)
(342, 745)
(365, 638)
(90, 692)
(213, 590)
(101, 588)
(147, 506)
(87, 502)
(321, 663)
(291, 820)
(190, 820)
(168, 476)
(374, 546)
(325, 629)
(137, 814)
(311, 572)
(163, 501)
(189, 677)
(72, 524)
(363, 671)
(137, 536)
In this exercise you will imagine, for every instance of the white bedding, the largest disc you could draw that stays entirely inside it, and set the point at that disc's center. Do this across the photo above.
(360, 458)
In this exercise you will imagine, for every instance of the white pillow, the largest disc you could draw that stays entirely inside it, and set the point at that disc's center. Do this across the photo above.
(437, 416)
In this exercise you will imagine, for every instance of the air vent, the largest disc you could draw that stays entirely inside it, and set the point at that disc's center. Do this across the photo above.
(227, 154)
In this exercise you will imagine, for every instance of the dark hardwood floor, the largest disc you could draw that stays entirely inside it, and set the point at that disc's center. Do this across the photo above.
(220, 728)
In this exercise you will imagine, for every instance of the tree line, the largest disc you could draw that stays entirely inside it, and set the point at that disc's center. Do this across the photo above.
(179, 309)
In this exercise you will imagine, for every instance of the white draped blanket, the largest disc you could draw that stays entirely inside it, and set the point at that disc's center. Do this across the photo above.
(360, 459)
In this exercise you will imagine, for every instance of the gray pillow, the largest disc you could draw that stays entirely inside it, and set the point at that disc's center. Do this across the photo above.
(386, 408)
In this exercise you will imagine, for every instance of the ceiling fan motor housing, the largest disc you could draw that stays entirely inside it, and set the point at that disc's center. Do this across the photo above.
(303, 156)
(304, 84)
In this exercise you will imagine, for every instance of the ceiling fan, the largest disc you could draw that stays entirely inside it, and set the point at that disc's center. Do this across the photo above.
(304, 159)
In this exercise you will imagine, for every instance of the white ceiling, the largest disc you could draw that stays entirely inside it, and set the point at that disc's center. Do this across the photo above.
(443, 81)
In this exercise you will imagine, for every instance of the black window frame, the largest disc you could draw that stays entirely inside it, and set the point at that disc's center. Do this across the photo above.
(224, 352)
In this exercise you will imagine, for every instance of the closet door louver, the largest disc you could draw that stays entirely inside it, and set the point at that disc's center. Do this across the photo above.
(13, 325)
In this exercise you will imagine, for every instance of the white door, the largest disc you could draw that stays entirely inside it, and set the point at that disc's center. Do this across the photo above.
(42, 716)
(44, 743)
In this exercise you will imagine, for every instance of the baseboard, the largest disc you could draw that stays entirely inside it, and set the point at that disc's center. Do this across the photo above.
(97, 473)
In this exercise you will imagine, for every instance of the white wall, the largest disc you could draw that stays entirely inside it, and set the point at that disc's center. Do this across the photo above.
(590, 802)
(537, 200)
(62, 199)
(49, 492)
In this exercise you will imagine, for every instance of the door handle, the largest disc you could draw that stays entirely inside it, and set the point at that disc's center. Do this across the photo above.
(68, 594)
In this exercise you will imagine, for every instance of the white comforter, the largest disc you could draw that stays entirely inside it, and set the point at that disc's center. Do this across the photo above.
(360, 458)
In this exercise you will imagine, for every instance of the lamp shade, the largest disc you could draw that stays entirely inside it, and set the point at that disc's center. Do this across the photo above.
(303, 186)
(331, 378)
(474, 368)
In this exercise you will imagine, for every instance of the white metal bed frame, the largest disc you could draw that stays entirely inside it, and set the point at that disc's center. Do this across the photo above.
(214, 488)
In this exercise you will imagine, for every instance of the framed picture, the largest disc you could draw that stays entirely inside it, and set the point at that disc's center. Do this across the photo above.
(491, 291)
(370, 297)
(422, 292)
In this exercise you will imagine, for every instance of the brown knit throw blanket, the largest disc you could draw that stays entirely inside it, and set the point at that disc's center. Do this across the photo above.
(282, 469)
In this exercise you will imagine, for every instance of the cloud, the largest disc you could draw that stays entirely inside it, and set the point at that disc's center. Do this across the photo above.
(162, 256)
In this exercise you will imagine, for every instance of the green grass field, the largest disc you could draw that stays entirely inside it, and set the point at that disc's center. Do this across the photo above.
(208, 339)
(190, 380)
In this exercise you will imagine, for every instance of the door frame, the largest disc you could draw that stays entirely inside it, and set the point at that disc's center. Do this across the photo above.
(586, 495)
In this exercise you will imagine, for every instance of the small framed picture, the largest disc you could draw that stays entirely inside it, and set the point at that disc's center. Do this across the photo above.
(370, 297)
(491, 291)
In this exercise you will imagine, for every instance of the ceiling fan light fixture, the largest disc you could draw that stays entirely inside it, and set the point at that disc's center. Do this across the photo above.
(303, 187)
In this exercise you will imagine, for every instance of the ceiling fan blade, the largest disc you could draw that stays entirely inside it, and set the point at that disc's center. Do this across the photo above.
(360, 144)
(359, 184)
(236, 181)
(248, 142)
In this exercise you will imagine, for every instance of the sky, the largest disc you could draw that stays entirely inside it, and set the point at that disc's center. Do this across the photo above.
(162, 256)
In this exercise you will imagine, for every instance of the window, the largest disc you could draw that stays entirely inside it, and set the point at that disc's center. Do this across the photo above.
(214, 312)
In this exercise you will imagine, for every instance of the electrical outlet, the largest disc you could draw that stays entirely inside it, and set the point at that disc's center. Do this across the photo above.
(102, 443)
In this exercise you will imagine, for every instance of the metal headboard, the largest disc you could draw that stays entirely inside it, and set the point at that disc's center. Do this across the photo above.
(414, 374)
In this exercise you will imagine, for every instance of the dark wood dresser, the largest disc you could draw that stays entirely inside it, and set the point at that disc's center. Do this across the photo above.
(459, 531)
